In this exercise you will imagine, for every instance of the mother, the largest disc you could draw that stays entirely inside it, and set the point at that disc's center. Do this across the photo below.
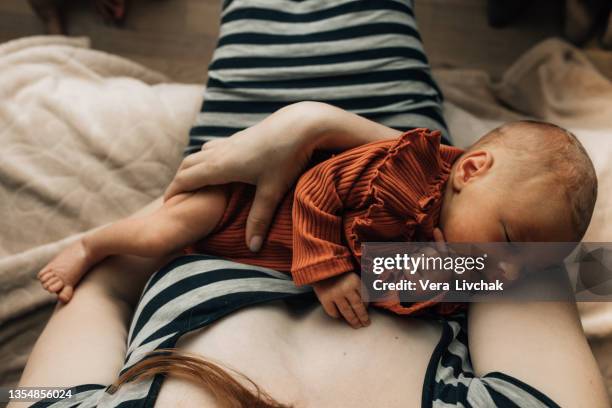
(364, 56)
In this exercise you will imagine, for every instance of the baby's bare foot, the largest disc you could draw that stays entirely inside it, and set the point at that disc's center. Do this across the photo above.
(65, 270)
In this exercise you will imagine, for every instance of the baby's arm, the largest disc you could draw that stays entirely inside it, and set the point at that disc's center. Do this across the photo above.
(321, 257)
(181, 221)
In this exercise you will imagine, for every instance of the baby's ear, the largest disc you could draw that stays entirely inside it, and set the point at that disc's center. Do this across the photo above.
(471, 166)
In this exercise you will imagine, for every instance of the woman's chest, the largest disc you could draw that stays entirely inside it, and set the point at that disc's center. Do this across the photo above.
(313, 361)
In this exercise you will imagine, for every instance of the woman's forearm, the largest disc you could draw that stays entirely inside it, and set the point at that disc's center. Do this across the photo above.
(272, 154)
(332, 128)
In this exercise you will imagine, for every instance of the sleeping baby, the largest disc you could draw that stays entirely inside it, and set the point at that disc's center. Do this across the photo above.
(524, 181)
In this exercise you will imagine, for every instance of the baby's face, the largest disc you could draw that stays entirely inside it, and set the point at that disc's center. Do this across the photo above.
(485, 201)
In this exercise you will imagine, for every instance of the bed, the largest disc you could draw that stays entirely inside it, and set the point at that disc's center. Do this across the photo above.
(88, 137)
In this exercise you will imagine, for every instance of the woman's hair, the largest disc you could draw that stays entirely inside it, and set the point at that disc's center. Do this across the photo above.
(228, 391)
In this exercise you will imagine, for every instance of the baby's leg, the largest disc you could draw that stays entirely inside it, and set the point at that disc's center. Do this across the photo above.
(182, 220)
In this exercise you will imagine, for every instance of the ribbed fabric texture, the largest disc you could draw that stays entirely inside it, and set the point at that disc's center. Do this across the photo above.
(383, 191)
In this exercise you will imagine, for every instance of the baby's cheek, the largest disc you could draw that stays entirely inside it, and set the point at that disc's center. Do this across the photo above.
(459, 233)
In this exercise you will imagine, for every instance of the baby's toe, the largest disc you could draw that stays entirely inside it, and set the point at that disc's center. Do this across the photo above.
(55, 285)
(45, 274)
(47, 283)
(66, 294)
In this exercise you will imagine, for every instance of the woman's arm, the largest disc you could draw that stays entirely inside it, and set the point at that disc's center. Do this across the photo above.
(539, 343)
(84, 341)
(332, 128)
(273, 153)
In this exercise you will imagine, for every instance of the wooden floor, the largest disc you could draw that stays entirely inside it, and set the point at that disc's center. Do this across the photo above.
(177, 37)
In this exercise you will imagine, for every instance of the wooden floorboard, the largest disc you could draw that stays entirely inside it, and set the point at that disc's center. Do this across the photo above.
(178, 37)
(456, 33)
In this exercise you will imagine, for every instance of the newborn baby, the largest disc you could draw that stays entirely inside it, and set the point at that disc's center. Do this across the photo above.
(524, 181)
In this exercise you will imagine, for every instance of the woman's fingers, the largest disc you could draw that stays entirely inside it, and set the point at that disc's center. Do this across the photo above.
(213, 143)
(192, 160)
(183, 181)
(267, 198)
(205, 173)
(201, 169)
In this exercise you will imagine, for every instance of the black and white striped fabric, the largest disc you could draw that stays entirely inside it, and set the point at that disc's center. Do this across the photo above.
(450, 380)
(196, 290)
(365, 56)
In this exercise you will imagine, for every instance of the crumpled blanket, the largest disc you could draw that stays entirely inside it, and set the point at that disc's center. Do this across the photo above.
(553, 81)
(88, 137)
(85, 138)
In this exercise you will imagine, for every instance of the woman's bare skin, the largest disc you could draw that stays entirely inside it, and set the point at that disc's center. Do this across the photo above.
(398, 353)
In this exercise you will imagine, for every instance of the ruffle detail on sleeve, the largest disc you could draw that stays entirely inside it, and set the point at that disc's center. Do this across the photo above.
(404, 192)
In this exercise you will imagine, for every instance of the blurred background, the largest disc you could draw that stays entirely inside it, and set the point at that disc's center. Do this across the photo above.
(177, 37)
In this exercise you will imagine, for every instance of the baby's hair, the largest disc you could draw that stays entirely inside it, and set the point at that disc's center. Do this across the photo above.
(555, 150)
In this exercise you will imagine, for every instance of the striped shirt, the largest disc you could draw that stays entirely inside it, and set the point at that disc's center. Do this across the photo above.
(363, 56)
(195, 291)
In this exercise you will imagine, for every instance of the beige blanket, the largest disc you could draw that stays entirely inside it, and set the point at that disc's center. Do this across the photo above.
(85, 138)
(88, 137)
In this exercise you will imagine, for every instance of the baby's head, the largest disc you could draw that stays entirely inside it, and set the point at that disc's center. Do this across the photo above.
(524, 181)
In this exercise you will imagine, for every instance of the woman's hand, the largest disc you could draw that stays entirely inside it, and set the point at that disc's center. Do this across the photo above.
(271, 155)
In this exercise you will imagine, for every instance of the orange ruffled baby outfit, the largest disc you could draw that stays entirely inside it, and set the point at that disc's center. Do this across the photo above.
(383, 191)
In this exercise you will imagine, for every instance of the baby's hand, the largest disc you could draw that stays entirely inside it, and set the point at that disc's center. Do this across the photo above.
(341, 295)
